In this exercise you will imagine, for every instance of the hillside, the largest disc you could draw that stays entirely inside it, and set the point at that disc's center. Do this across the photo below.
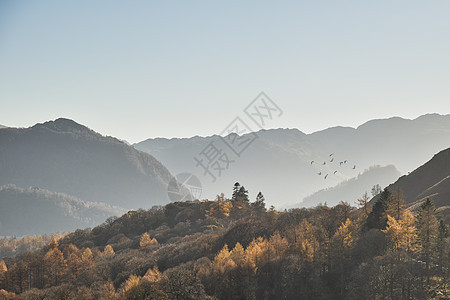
(230, 249)
(23, 211)
(431, 180)
(280, 159)
(352, 189)
(64, 156)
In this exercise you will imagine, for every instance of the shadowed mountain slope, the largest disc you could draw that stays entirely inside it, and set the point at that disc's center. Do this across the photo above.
(66, 157)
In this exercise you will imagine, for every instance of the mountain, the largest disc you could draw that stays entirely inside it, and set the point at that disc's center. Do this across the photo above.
(431, 180)
(354, 188)
(278, 161)
(22, 212)
(2, 126)
(64, 156)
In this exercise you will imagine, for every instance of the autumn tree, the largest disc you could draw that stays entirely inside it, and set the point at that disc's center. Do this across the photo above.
(87, 259)
(364, 204)
(238, 255)
(305, 241)
(55, 267)
(108, 252)
(3, 270)
(222, 261)
(146, 242)
(342, 241)
(401, 234)
(220, 208)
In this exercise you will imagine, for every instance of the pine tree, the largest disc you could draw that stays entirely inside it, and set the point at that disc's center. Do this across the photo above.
(259, 207)
(236, 189)
(243, 194)
(378, 217)
(396, 204)
(442, 245)
(428, 226)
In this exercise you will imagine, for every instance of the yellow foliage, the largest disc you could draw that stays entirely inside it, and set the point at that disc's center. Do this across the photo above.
(306, 241)
(258, 252)
(3, 267)
(132, 281)
(279, 244)
(86, 255)
(222, 261)
(146, 241)
(108, 252)
(238, 254)
(401, 234)
(344, 238)
(153, 275)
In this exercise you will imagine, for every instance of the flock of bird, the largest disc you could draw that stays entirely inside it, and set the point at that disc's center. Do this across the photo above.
(331, 160)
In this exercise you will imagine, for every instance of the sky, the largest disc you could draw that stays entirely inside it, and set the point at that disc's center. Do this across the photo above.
(145, 69)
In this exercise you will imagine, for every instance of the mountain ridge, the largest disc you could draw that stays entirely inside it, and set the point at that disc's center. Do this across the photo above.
(403, 143)
(67, 157)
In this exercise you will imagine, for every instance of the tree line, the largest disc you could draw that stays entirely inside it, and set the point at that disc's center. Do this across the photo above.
(237, 249)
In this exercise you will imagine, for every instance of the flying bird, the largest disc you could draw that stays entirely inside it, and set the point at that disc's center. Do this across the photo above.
(326, 176)
(335, 172)
(320, 173)
(312, 162)
(345, 161)
(354, 167)
(324, 163)
(332, 159)
(341, 163)
(331, 154)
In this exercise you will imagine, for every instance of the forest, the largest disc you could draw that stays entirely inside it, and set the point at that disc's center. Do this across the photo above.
(235, 248)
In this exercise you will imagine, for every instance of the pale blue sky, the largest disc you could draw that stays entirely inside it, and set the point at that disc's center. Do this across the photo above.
(140, 69)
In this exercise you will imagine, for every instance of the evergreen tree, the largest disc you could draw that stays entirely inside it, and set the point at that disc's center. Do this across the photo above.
(396, 204)
(378, 216)
(259, 206)
(427, 224)
(236, 189)
(243, 194)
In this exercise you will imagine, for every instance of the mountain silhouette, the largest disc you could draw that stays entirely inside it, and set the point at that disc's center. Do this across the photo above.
(279, 161)
(64, 156)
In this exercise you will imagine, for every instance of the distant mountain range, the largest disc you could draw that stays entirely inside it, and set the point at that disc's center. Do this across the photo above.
(278, 162)
(64, 156)
(63, 169)
(354, 188)
(431, 180)
(38, 211)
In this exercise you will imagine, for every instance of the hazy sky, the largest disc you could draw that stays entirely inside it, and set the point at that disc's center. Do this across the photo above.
(140, 69)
